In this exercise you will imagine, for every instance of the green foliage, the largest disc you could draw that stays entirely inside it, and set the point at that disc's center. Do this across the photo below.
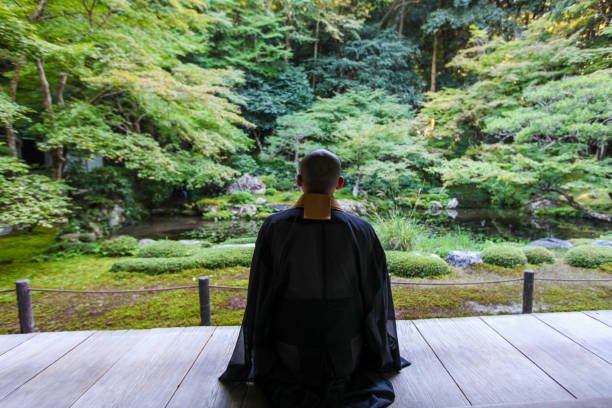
(538, 255)
(69, 250)
(411, 265)
(241, 197)
(165, 249)
(503, 255)
(210, 258)
(122, 245)
(241, 240)
(397, 232)
(589, 256)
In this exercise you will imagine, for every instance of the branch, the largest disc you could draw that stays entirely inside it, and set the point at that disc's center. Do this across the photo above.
(39, 11)
(574, 204)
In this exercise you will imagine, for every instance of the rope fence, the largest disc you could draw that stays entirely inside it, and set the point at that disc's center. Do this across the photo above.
(23, 292)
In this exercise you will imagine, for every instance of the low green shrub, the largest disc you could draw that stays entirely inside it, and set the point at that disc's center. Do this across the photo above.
(503, 255)
(68, 249)
(241, 197)
(269, 181)
(589, 256)
(397, 232)
(270, 191)
(538, 255)
(122, 245)
(165, 249)
(411, 265)
(210, 258)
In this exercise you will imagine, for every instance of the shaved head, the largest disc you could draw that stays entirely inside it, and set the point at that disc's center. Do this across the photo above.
(320, 171)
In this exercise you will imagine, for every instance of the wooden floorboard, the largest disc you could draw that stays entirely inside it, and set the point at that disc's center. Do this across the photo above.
(10, 341)
(604, 316)
(25, 361)
(590, 403)
(62, 383)
(571, 365)
(584, 330)
(150, 372)
(485, 366)
(425, 383)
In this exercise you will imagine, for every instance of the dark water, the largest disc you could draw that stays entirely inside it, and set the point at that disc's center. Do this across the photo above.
(492, 223)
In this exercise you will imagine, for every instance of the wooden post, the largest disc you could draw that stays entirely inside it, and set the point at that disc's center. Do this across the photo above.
(528, 291)
(24, 304)
(204, 290)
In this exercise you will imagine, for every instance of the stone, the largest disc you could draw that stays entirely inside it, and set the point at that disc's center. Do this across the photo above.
(190, 241)
(453, 203)
(463, 258)
(353, 207)
(602, 242)
(541, 204)
(452, 213)
(279, 207)
(116, 217)
(145, 242)
(260, 201)
(251, 245)
(252, 184)
(79, 237)
(243, 209)
(551, 243)
(5, 230)
(435, 206)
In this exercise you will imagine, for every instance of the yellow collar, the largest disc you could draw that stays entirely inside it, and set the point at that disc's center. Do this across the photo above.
(317, 206)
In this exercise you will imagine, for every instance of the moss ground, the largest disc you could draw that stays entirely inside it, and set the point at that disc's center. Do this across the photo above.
(55, 311)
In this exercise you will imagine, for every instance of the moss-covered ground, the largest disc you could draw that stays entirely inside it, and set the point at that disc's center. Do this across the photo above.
(68, 311)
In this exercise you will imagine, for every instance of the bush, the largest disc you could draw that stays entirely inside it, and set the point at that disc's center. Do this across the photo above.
(397, 232)
(503, 255)
(68, 249)
(211, 258)
(165, 249)
(241, 197)
(538, 255)
(122, 245)
(269, 181)
(589, 256)
(409, 264)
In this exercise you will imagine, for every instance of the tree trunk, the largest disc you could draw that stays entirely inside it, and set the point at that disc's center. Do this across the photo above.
(356, 186)
(39, 11)
(11, 138)
(60, 89)
(434, 67)
(400, 29)
(258, 139)
(602, 148)
(296, 157)
(315, 55)
(574, 204)
(57, 153)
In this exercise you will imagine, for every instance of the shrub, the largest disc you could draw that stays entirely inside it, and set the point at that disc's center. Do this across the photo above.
(122, 245)
(241, 197)
(503, 255)
(211, 258)
(269, 181)
(165, 249)
(397, 232)
(409, 264)
(270, 191)
(538, 255)
(589, 256)
(220, 215)
(68, 249)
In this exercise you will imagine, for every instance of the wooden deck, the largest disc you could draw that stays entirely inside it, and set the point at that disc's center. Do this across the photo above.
(539, 360)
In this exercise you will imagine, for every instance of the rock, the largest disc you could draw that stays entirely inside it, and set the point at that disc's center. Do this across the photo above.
(452, 213)
(248, 183)
(251, 245)
(5, 230)
(453, 203)
(190, 241)
(96, 228)
(279, 207)
(260, 201)
(463, 258)
(79, 237)
(116, 218)
(353, 207)
(602, 242)
(541, 204)
(243, 209)
(551, 243)
(145, 242)
(435, 206)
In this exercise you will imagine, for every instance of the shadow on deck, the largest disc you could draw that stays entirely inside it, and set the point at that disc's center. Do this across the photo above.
(540, 360)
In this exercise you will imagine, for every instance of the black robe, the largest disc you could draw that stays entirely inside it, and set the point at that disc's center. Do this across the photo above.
(319, 326)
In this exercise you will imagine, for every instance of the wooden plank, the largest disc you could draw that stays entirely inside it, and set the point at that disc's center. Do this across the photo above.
(584, 330)
(579, 371)
(148, 374)
(425, 383)
(604, 316)
(63, 382)
(590, 403)
(485, 366)
(200, 388)
(10, 341)
(30, 357)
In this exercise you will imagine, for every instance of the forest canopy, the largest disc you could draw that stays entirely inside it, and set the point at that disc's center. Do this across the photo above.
(127, 102)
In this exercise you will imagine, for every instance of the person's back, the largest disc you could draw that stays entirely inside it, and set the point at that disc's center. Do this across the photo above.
(319, 325)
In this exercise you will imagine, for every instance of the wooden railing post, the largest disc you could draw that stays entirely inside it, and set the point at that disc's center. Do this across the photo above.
(204, 289)
(24, 305)
(528, 291)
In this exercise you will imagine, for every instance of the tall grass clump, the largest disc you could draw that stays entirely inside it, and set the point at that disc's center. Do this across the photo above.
(397, 231)
(457, 240)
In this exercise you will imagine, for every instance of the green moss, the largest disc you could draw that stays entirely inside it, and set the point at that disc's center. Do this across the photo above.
(538, 255)
(589, 256)
(122, 245)
(503, 255)
(409, 264)
(165, 249)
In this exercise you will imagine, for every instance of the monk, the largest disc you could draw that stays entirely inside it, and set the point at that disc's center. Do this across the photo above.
(319, 325)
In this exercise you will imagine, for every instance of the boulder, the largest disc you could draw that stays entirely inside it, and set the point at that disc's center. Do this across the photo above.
(279, 207)
(453, 203)
(551, 243)
(79, 237)
(602, 242)
(145, 242)
(116, 217)
(5, 230)
(190, 241)
(353, 207)
(260, 201)
(463, 258)
(248, 183)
